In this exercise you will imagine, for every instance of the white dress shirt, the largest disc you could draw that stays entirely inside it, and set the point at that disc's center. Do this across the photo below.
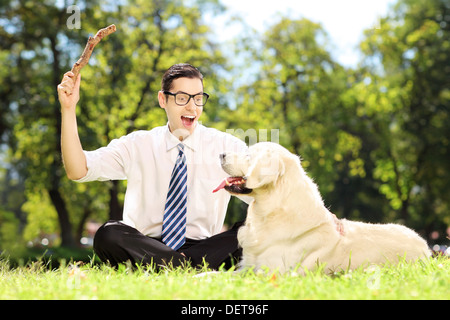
(146, 159)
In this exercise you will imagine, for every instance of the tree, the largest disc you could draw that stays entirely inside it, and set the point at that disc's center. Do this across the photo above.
(298, 90)
(412, 102)
(118, 91)
(30, 41)
(374, 138)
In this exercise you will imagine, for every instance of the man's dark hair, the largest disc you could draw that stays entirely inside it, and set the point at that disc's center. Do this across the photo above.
(181, 70)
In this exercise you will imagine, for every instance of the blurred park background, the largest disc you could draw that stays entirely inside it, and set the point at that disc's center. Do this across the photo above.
(373, 135)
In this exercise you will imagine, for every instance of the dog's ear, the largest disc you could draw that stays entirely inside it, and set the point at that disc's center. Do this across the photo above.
(266, 168)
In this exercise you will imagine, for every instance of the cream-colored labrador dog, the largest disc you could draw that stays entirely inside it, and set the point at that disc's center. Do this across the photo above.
(288, 224)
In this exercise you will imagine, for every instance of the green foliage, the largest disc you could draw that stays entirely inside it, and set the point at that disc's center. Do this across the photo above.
(413, 81)
(374, 138)
(41, 214)
(9, 227)
(118, 94)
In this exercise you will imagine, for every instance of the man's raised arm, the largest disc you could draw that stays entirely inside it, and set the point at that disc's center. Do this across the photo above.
(72, 151)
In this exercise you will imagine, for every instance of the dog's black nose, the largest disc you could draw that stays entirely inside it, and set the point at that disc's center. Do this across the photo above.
(222, 158)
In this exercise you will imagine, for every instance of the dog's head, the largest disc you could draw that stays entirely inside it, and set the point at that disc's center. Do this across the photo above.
(261, 167)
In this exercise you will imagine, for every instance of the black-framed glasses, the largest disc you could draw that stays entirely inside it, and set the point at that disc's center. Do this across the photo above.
(183, 99)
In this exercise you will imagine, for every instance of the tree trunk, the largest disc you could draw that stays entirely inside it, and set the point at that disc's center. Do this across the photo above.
(67, 239)
(55, 170)
(86, 213)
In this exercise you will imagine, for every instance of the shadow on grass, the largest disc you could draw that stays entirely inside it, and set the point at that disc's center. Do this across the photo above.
(51, 258)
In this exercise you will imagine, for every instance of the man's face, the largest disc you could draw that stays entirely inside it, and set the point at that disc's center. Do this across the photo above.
(182, 119)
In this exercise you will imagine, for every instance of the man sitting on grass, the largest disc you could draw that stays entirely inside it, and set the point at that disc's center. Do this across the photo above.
(170, 213)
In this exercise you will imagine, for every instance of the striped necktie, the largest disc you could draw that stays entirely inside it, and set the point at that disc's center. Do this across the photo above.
(174, 222)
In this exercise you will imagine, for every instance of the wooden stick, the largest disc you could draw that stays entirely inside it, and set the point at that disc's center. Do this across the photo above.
(92, 42)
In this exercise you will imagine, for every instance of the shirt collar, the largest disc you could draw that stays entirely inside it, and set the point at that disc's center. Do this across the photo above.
(192, 141)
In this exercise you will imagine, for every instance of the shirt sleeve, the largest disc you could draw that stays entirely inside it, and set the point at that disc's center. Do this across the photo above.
(109, 163)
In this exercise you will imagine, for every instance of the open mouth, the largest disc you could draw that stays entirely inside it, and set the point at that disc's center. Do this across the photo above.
(187, 120)
(234, 185)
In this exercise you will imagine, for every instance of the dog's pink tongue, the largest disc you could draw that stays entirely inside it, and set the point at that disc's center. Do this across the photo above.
(228, 182)
(221, 186)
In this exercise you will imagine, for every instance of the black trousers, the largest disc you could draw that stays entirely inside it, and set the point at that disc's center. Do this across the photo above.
(116, 242)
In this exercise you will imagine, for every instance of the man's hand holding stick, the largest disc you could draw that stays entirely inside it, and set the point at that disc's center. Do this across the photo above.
(68, 86)
(69, 94)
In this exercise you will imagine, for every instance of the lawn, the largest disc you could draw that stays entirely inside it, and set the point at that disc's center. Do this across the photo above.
(76, 281)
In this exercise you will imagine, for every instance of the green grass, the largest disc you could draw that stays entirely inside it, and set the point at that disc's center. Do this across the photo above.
(420, 280)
